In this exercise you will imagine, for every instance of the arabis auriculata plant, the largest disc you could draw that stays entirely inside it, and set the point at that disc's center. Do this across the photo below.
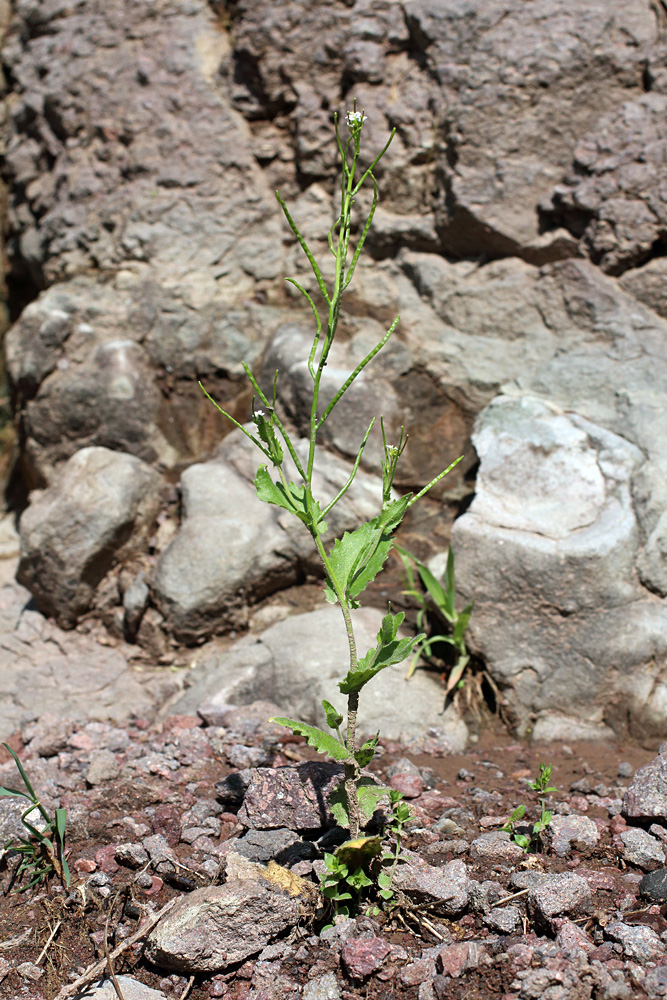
(355, 559)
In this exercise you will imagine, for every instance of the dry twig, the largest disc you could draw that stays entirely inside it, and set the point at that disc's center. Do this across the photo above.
(46, 946)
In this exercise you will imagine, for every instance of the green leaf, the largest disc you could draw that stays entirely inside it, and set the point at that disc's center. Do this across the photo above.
(369, 795)
(360, 852)
(61, 823)
(292, 499)
(364, 755)
(334, 718)
(461, 624)
(389, 650)
(450, 584)
(13, 792)
(358, 557)
(436, 591)
(394, 512)
(323, 742)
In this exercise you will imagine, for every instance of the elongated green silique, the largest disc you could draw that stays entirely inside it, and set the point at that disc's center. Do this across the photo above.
(355, 559)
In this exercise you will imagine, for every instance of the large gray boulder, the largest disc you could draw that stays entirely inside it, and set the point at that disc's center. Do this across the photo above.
(232, 549)
(548, 548)
(611, 195)
(147, 235)
(299, 661)
(100, 509)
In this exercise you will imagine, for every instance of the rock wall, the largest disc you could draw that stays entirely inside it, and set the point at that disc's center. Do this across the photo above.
(521, 235)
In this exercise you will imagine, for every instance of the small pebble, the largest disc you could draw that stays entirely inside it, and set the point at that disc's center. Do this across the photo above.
(654, 886)
(625, 770)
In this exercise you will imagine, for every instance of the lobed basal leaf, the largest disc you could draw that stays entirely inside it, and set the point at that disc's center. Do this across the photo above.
(323, 742)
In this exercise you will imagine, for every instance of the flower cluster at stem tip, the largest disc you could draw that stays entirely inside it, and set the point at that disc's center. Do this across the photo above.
(354, 120)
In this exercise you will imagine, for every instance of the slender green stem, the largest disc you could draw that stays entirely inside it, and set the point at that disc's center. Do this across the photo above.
(434, 481)
(357, 371)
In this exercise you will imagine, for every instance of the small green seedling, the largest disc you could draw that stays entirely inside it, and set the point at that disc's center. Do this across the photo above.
(542, 787)
(400, 815)
(347, 876)
(440, 601)
(42, 852)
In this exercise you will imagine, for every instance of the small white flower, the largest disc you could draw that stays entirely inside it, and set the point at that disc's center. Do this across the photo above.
(355, 119)
(259, 413)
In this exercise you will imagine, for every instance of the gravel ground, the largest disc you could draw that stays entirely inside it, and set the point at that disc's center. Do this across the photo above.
(161, 812)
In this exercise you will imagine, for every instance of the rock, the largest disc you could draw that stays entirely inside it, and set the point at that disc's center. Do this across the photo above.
(504, 919)
(28, 970)
(131, 855)
(647, 284)
(609, 197)
(136, 310)
(445, 888)
(654, 886)
(100, 510)
(297, 662)
(362, 956)
(555, 896)
(565, 829)
(410, 786)
(639, 943)
(103, 767)
(104, 989)
(455, 959)
(646, 797)
(324, 987)
(215, 927)
(495, 848)
(573, 940)
(641, 849)
(262, 845)
(577, 558)
(655, 983)
(71, 675)
(291, 797)
(231, 790)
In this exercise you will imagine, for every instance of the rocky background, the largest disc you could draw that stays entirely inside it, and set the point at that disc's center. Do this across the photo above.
(522, 236)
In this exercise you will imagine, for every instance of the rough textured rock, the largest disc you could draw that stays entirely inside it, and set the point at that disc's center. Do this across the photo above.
(68, 674)
(153, 218)
(646, 797)
(297, 662)
(639, 943)
(295, 797)
(555, 896)
(101, 508)
(566, 829)
(445, 888)
(212, 928)
(131, 989)
(553, 512)
(143, 146)
(611, 198)
(641, 849)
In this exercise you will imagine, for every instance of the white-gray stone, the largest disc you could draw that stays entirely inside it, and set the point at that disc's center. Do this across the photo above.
(565, 829)
(553, 525)
(297, 662)
(639, 943)
(104, 989)
(641, 849)
(99, 509)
